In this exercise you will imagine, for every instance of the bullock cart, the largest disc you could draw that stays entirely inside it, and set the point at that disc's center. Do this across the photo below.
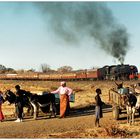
(117, 101)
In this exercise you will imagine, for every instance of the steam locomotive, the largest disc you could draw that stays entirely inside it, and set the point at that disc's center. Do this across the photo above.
(113, 72)
(118, 72)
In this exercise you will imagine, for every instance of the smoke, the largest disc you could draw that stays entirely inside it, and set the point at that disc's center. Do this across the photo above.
(72, 21)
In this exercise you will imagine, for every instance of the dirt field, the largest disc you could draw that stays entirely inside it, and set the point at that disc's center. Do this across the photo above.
(80, 124)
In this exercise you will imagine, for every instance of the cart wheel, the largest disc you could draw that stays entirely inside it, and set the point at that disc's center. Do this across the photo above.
(115, 112)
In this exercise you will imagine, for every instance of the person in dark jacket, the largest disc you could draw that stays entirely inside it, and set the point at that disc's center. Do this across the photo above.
(19, 103)
(98, 108)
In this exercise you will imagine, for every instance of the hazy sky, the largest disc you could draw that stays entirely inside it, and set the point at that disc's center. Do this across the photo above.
(27, 41)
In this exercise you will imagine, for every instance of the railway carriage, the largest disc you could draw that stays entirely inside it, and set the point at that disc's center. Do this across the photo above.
(68, 76)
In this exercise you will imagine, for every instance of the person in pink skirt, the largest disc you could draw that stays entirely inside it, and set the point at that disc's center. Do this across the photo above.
(1, 102)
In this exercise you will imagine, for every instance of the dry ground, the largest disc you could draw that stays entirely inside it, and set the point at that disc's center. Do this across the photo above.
(80, 124)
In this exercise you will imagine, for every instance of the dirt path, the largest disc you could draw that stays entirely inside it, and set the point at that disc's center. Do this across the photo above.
(76, 125)
(79, 125)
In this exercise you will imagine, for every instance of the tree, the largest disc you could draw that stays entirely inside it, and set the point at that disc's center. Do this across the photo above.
(65, 69)
(45, 68)
(2, 67)
(10, 70)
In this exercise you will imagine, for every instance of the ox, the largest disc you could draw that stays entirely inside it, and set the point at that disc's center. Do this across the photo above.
(132, 102)
(44, 102)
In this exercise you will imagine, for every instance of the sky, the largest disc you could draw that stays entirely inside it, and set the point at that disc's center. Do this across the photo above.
(31, 36)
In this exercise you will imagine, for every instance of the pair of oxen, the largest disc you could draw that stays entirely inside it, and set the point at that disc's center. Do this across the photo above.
(33, 102)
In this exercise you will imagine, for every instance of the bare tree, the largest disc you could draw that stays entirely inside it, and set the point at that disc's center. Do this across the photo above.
(65, 69)
(2, 67)
(45, 68)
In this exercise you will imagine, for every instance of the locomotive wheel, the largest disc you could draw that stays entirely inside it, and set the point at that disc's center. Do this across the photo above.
(115, 112)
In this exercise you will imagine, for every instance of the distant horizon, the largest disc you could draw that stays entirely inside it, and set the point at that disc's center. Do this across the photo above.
(96, 67)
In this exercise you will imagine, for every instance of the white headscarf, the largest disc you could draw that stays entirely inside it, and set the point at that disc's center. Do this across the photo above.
(62, 83)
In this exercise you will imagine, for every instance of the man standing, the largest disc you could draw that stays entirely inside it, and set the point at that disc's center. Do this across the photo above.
(98, 108)
(19, 103)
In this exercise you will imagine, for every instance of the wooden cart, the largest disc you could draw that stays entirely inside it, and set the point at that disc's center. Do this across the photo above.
(117, 101)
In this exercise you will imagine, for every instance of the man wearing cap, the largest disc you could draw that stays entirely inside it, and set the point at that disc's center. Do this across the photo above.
(64, 93)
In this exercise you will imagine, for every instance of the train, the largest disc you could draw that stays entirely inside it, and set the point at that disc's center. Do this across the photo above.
(113, 72)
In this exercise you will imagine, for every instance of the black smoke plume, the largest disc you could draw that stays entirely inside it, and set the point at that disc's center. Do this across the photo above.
(72, 21)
